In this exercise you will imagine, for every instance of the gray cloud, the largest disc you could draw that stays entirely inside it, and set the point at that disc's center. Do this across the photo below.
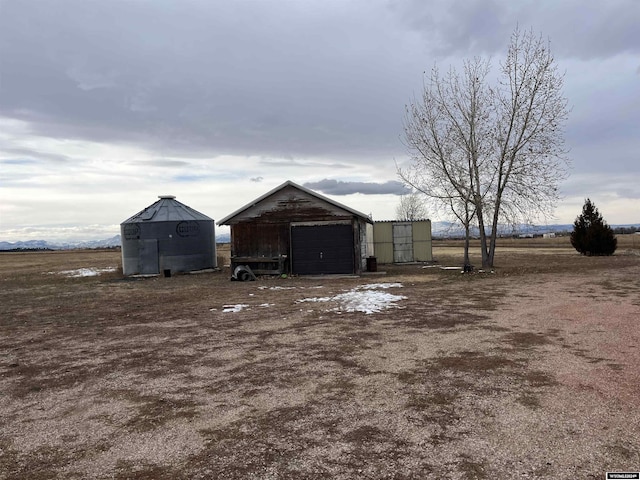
(163, 163)
(197, 75)
(284, 79)
(337, 187)
(584, 29)
(593, 185)
(295, 88)
(18, 161)
(29, 155)
(292, 163)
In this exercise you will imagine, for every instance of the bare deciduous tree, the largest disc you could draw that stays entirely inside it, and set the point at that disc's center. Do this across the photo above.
(411, 208)
(491, 154)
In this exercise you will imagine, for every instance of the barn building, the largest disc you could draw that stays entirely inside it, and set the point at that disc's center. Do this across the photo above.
(292, 229)
(167, 237)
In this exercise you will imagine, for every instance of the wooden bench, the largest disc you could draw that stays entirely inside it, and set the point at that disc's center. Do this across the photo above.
(262, 265)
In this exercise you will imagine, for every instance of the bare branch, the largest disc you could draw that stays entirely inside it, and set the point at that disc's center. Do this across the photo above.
(490, 153)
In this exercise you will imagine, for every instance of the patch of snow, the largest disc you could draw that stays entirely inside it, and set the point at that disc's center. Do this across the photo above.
(234, 308)
(286, 288)
(362, 299)
(86, 272)
(375, 286)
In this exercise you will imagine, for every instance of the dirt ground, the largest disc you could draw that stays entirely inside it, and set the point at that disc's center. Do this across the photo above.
(531, 370)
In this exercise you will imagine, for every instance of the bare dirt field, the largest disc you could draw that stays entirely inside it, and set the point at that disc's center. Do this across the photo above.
(531, 370)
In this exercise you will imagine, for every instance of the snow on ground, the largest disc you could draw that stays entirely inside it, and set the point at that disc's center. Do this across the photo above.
(240, 306)
(277, 288)
(442, 267)
(368, 298)
(377, 286)
(287, 288)
(85, 272)
(234, 308)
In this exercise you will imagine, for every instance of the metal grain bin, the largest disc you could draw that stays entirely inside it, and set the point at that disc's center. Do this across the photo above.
(167, 237)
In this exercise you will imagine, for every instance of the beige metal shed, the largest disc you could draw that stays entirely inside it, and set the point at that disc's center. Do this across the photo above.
(402, 242)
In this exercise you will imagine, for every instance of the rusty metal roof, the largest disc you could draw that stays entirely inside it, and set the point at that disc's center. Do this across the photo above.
(167, 209)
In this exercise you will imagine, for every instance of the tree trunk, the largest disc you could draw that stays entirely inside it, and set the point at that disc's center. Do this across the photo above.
(467, 262)
(483, 240)
(494, 234)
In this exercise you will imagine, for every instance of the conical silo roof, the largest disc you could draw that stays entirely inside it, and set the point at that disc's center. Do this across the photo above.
(167, 209)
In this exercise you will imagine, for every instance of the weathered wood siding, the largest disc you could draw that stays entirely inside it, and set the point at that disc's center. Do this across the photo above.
(291, 205)
(264, 229)
(252, 239)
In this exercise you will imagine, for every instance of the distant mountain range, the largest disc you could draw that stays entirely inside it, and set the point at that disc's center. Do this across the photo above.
(46, 245)
(449, 229)
(438, 230)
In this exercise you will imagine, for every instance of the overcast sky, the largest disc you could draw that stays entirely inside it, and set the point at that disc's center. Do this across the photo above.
(106, 104)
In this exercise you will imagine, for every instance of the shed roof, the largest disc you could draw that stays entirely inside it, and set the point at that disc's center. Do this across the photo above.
(167, 209)
(227, 220)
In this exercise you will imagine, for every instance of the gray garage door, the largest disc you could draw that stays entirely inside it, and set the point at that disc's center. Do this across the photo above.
(322, 249)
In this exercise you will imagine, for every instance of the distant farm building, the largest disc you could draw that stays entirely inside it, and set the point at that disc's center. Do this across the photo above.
(292, 229)
(167, 237)
(402, 242)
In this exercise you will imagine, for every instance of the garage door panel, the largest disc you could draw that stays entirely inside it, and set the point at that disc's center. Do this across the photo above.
(322, 249)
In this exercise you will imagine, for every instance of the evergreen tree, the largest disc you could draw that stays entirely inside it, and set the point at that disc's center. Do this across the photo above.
(591, 235)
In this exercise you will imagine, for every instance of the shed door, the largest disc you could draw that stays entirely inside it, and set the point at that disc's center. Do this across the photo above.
(322, 249)
(148, 257)
(402, 243)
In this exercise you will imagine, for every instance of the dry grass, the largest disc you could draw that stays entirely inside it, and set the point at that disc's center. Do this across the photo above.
(625, 242)
(527, 371)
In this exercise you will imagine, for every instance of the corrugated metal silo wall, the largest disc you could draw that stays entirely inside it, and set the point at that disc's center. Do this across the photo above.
(177, 246)
(131, 248)
(422, 251)
(383, 241)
